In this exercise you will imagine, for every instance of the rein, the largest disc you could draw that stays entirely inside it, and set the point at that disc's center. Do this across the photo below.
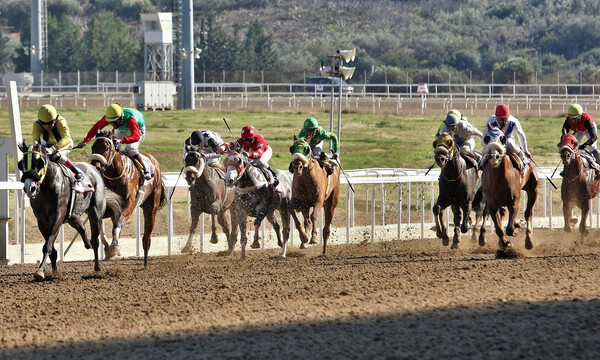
(112, 153)
(452, 154)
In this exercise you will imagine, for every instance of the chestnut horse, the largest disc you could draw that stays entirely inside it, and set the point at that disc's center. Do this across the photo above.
(502, 184)
(124, 177)
(580, 182)
(312, 189)
(49, 188)
(458, 189)
(255, 197)
(209, 194)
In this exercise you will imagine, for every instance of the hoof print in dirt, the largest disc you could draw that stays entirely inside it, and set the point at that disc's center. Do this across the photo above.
(507, 253)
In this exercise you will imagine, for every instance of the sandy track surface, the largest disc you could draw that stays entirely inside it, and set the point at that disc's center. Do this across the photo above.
(411, 299)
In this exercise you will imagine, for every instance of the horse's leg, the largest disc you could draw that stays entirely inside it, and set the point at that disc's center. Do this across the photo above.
(456, 211)
(95, 227)
(300, 226)
(484, 215)
(511, 229)
(272, 218)
(232, 237)
(532, 193)
(150, 209)
(77, 224)
(496, 215)
(261, 213)
(285, 221)
(189, 246)
(243, 236)
(328, 208)
(48, 248)
(214, 239)
(568, 214)
(440, 225)
(585, 210)
(224, 222)
(314, 219)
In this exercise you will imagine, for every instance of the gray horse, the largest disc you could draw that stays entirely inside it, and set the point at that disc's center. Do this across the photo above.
(255, 197)
(49, 188)
(210, 195)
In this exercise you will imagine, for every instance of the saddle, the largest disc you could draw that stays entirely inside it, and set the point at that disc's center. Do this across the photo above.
(471, 159)
(81, 187)
(147, 163)
(592, 164)
(517, 162)
(326, 163)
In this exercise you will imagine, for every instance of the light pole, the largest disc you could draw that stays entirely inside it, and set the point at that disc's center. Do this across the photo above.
(341, 72)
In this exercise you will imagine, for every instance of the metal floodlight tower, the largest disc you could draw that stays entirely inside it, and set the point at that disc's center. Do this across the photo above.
(39, 37)
(186, 58)
(341, 72)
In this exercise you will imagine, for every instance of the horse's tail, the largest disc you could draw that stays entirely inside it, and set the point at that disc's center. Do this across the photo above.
(114, 204)
(163, 196)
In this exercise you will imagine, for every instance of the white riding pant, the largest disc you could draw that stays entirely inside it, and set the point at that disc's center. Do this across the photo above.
(263, 161)
(132, 148)
(63, 151)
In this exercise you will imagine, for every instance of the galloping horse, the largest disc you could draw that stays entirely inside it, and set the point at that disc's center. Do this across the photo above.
(502, 184)
(312, 188)
(580, 182)
(255, 197)
(458, 189)
(122, 176)
(209, 194)
(49, 188)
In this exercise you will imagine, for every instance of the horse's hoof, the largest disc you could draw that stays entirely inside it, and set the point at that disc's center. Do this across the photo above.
(439, 234)
(39, 276)
(528, 244)
(567, 229)
(584, 233)
(454, 245)
(464, 229)
(481, 241)
(280, 243)
(445, 241)
(255, 245)
(312, 242)
(187, 249)
(87, 244)
(214, 240)
(302, 246)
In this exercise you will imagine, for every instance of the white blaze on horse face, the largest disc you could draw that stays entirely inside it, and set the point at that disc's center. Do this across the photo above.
(232, 175)
(30, 187)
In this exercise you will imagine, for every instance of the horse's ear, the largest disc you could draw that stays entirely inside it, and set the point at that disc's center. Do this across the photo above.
(292, 149)
(295, 137)
(449, 143)
(306, 151)
(486, 139)
(434, 144)
(490, 127)
(503, 139)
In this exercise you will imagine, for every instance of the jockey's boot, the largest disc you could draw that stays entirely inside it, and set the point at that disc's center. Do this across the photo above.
(596, 166)
(145, 172)
(79, 186)
(274, 175)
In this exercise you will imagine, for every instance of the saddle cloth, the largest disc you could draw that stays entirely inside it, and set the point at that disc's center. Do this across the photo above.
(148, 165)
(81, 187)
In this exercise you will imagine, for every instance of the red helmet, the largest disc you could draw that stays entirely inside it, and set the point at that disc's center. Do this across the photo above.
(502, 111)
(248, 132)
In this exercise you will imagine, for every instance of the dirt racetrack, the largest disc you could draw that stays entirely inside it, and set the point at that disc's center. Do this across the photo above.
(411, 299)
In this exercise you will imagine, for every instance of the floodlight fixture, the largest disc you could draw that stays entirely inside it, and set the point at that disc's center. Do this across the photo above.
(347, 55)
(346, 72)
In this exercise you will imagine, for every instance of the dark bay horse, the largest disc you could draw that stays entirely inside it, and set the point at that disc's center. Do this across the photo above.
(255, 197)
(122, 176)
(580, 182)
(458, 189)
(502, 185)
(312, 189)
(49, 188)
(209, 194)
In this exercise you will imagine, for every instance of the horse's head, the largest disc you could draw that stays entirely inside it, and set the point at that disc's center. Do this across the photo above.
(300, 155)
(567, 147)
(444, 149)
(34, 166)
(103, 150)
(235, 165)
(494, 146)
(194, 166)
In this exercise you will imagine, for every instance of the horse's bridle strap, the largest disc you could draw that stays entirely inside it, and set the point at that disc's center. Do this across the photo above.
(42, 171)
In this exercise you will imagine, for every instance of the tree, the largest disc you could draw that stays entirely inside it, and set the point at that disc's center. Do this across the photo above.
(109, 45)
(5, 54)
(514, 69)
(64, 52)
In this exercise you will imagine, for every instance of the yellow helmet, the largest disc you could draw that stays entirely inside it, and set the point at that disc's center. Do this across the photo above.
(455, 112)
(47, 114)
(575, 110)
(114, 112)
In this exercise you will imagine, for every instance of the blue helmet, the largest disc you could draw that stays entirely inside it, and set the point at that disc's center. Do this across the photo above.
(451, 121)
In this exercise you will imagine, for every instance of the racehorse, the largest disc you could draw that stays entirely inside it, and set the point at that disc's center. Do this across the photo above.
(209, 194)
(254, 196)
(502, 184)
(580, 182)
(458, 189)
(312, 189)
(123, 176)
(49, 188)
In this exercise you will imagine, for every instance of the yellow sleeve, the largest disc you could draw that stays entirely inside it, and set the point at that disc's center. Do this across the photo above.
(63, 130)
(36, 133)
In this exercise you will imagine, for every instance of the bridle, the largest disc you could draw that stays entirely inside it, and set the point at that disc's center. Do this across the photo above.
(112, 152)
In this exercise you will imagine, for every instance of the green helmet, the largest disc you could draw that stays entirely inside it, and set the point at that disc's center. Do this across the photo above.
(311, 123)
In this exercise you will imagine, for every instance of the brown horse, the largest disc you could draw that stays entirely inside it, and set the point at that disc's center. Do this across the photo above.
(458, 189)
(580, 183)
(124, 177)
(502, 184)
(209, 194)
(312, 189)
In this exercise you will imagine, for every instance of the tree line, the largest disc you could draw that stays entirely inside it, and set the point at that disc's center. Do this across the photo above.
(397, 41)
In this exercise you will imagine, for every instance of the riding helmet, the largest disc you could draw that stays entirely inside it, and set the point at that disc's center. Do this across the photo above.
(575, 110)
(451, 120)
(248, 132)
(47, 114)
(311, 123)
(114, 112)
(502, 111)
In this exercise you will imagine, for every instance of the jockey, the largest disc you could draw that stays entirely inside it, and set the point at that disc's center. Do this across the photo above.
(52, 131)
(582, 124)
(314, 134)
(463, 133)
(451, 111)
(257, 148)
(509, 126)
(130, 131)
(207, 143)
